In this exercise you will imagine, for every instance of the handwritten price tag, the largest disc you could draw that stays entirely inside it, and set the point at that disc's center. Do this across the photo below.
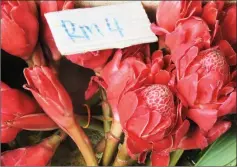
(98, 28)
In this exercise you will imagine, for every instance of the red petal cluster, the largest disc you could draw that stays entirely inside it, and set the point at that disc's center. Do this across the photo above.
(206, 87)
(14, 105)
(200, 46)
(143, 103)
(37, 155)
(51, 95)
(177, 10)
(18, 35)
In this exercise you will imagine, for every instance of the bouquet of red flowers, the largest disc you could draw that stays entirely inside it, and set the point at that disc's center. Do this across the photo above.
(166, 104)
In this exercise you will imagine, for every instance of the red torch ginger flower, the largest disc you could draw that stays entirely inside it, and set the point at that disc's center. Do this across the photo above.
(207, 88)
(117, 73)
(50, 94)
(148, 115)
(56, 103)
(19, 28)
(14, 105)
(37, 155)
(144, 105)
(177, 10)
(52, 6)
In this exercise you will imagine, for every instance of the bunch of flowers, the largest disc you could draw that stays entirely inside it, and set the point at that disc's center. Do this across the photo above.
(154, 102)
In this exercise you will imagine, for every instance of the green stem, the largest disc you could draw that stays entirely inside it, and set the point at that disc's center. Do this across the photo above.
(94, 123)
(175, 156)
(95, 99)
(106, 112)
(112, 141)
(122, 158)
(83, 143)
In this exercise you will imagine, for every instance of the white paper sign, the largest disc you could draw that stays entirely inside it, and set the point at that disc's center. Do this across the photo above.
(98, 28)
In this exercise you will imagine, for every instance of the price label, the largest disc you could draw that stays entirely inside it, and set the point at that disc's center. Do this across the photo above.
(90, 29)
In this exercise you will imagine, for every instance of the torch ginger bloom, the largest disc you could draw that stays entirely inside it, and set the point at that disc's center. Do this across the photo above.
(206, 86)
(19, 28)
(144, 106)
(177, 10)
(14, 105)
(148, 114)
(56, 103)
(37, 155)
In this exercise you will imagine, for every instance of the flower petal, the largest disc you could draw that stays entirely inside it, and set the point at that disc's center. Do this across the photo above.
(13, 38)
(228, 51)
(39, 122)
(139, 121)
(112, 66)
(205, 118)
(162, 77)
(163, 145)
(218, 129)
(31, 28)
(229, 105)
(210, 13)
(180, 132)
(154, 120)
(136, 145)
(159, 159)
(126, 107)
(187, 87)
(207, 86)
(8, 134)
(186, 60)
(196, 140)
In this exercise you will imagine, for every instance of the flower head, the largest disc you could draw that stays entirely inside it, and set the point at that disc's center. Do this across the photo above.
(177, 10)
(206, 87)
(19, 28)
(14, 104)
(50, 94)
(37, 155)
(143, 103)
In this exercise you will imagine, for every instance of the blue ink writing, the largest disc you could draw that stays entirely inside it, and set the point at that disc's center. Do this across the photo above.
(71, 34)
(75, 31)
(117, 27)
(91, 28)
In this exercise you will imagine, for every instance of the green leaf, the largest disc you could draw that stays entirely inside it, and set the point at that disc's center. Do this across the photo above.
(174, 157)
(222, 152)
